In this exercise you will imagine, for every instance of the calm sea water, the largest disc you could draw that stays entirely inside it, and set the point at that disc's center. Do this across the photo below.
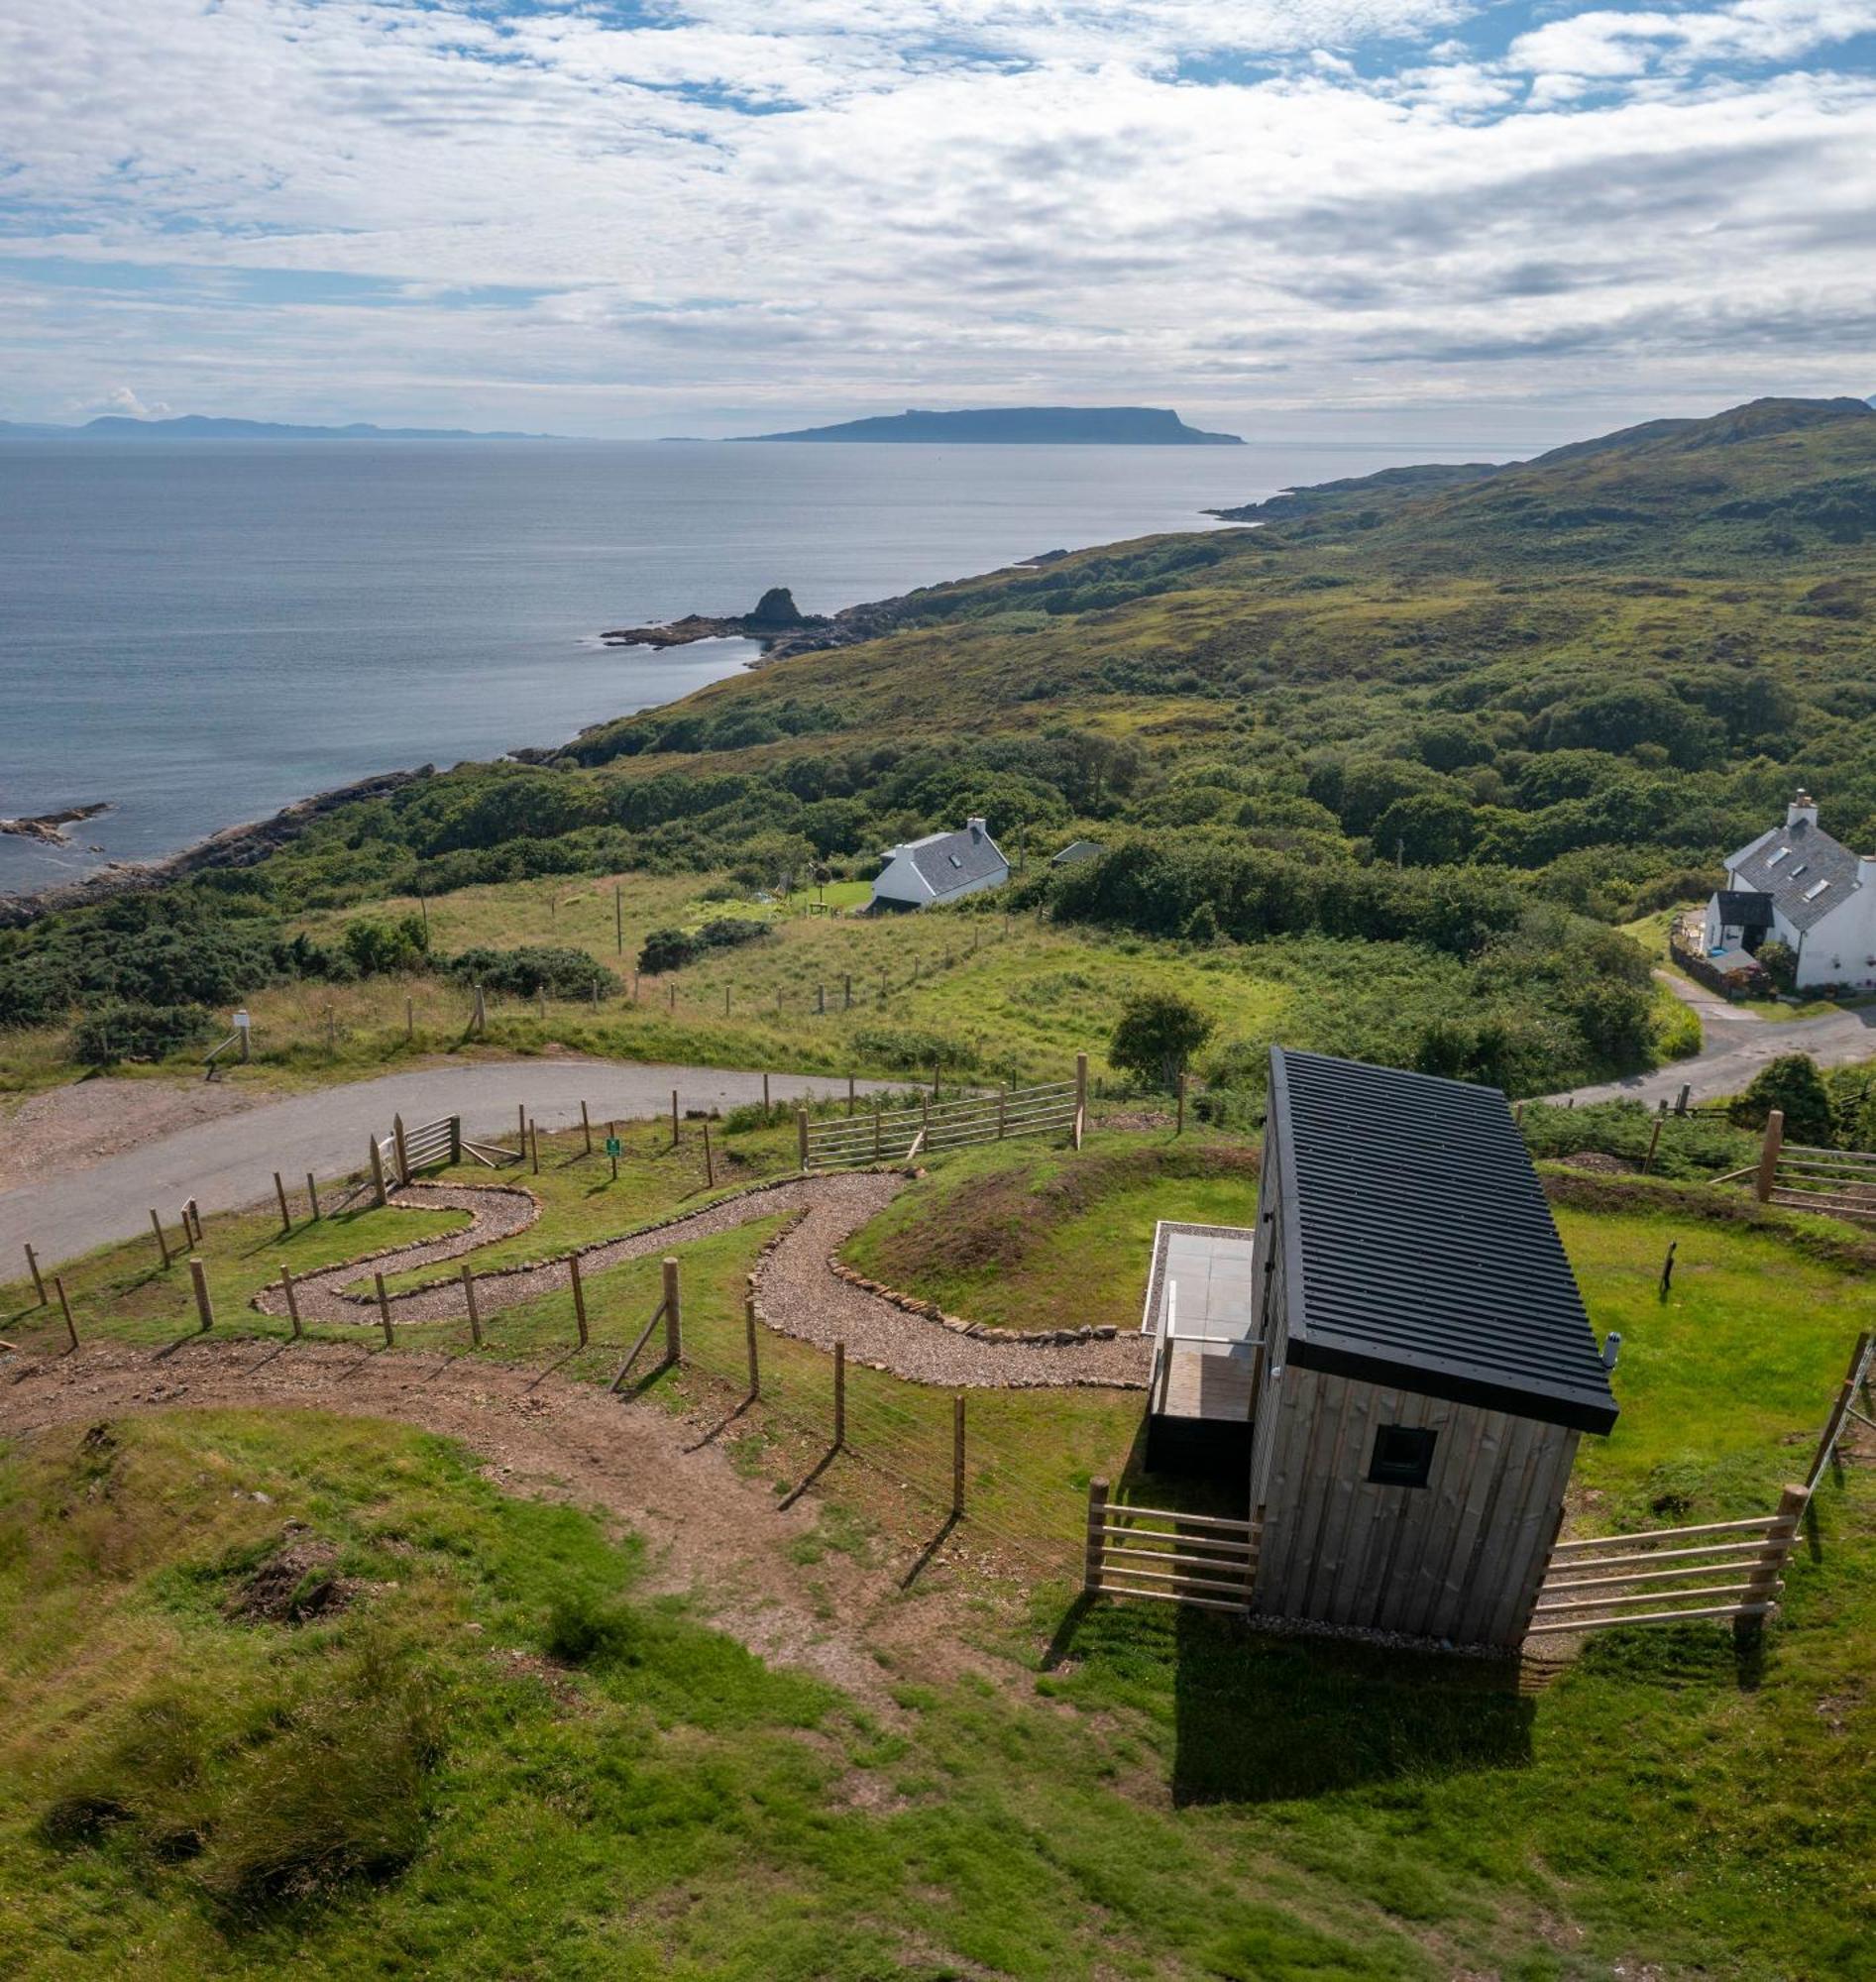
(202, 633)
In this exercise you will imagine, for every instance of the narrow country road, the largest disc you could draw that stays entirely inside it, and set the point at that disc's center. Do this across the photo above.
(231, 1161)
(1735, 1045)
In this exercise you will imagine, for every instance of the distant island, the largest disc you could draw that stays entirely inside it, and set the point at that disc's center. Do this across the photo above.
(202, 426)
(1022, 426)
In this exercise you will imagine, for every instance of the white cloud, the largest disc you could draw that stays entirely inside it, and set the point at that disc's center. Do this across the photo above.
(283, 203)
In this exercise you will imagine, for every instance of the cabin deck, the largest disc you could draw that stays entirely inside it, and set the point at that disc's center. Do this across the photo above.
(1201, 1311)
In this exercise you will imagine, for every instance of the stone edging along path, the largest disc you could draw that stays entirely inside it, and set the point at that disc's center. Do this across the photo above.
(801, 1288)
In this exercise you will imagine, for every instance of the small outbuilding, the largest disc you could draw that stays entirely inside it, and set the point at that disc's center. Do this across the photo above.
(1076, 851)
(1414, 1370)
(941, 867)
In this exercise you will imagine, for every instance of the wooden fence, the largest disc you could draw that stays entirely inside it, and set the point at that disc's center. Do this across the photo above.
(897, 1134)
(1802, 1178)
(1670, 1576)
(1206, 1559)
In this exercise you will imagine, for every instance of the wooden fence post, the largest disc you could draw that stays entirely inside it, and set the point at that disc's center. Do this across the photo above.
(821, 1001)
(313, 1193)
(853, 1096)
(749, 1330)
(1003, 1109)
(957, 1456)
(765, 1097)
(673, 1313)
(293, 1298)
(64, 1308)
(384, 1308)
(578, 1297)
(1763, 1581)
(38, 1285)
(839, 1396)
(378, 1173)
(204, 1306)
(801, 1136)
(1839, 1410)
(710, 1161)
(879, 1131)
(619, 929)
(280, 1192)
(674, 1118)
(469, 1303)
(611, 1138)
(1082, 1097)
(481, 1018)
(1686, 1094)
(520, 1116)
(1097, 1542)
(399, 1146)
(163, 1247)
(1178, 1128)
(410, 1018)
(585, 1127)
(194, 1211)
(534, 1146)
(1654, 1142)
(725, 1001)
(1768, 1154)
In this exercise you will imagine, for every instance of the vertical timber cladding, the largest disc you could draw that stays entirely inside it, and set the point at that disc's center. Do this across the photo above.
(1414, 1286)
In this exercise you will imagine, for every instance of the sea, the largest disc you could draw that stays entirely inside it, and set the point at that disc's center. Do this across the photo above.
(198, 633)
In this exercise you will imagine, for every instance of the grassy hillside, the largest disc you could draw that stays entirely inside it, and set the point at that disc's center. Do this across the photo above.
(452, 1732)
(1465, 723)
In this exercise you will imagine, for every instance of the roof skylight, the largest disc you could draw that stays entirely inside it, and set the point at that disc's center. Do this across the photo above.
(1816, 888)
(1784, 852)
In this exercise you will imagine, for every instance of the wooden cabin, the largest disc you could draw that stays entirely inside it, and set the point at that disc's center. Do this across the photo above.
(1415, 1368)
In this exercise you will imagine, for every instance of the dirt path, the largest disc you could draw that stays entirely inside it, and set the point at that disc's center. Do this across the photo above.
(720, 1539)
(231, 1161)
(796, 1292)
(66, 1130)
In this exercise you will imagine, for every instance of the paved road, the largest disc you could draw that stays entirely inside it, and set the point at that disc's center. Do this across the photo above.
(1736, 1044)
(231, 1161)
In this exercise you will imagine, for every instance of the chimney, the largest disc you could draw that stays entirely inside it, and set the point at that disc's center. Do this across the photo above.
(1802, 810)
(977, 827)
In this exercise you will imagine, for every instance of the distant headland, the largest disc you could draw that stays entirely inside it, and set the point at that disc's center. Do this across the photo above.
(202, 426)
(1022, 426)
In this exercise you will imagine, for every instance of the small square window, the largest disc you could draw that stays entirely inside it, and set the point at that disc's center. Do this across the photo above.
(1403, 1456)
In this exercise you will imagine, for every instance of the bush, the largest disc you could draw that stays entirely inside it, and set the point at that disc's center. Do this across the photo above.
(1779, 961)
(1791, 1084)
(1158, 1034)
(672, 949)
(583, 1630)
(122, 1032)
(533, 968)
(374, 946)
(908, 1048)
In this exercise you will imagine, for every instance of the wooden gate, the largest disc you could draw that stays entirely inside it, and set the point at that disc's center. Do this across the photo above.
(1670, 1576)
(1207, 1560)
(1802, 1177)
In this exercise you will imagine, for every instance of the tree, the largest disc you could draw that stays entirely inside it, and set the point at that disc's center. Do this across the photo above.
(1157, 1033)
(1791, 1084)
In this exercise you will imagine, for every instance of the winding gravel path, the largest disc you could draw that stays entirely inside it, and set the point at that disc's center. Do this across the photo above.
(796, 1292)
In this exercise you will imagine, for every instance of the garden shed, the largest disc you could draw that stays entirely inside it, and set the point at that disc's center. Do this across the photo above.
(1424, 1363)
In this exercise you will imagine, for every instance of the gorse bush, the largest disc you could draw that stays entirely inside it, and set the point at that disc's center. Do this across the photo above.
(533, 968)
(123, 1031)
(672, 949)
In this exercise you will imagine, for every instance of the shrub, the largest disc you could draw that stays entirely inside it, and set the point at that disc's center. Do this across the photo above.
(1779, 961)
(374, 946)
(908, 1048)
(583, 1630)
(1158, 1034)
(1791, 1084)
(533, 968)
(672, 949)
(122, 1032)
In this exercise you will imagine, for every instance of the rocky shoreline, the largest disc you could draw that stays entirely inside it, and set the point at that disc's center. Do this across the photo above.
(232, 846)
(49, 827)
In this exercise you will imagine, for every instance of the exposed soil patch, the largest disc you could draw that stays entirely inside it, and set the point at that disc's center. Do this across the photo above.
(298, 1581)
(68, 1128)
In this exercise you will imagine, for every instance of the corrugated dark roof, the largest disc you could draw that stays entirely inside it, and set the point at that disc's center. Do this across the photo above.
(951, 860)
(1789, 863)
(1420, 1248)
(1744, 908)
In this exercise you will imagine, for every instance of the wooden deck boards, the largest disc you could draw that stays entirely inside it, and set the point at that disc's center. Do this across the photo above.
(1199, 1385)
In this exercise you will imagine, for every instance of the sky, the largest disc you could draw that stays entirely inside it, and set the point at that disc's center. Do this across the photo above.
(1287, 218)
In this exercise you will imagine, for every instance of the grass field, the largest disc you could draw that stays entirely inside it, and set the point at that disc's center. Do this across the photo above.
(1158, 1795)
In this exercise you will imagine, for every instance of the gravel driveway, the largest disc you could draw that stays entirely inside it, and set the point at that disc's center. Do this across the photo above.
(230, 1162)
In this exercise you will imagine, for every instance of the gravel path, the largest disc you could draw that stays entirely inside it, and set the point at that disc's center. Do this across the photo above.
(228, 1163)
(797, 1290)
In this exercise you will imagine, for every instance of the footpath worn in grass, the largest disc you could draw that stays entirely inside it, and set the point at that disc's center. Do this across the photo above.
(461, 1744)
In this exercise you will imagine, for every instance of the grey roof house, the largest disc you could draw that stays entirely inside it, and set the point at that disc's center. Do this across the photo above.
(941, 867)
(1810, 891)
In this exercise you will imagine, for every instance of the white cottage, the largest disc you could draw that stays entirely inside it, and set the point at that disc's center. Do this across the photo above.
(1797, 884)
(941, 867)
